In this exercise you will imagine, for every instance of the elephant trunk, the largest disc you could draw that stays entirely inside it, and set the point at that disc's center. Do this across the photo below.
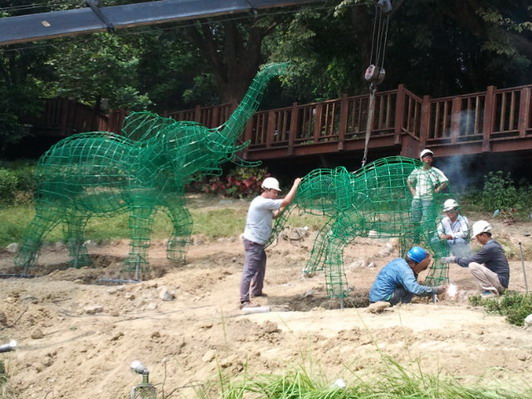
(233, 127)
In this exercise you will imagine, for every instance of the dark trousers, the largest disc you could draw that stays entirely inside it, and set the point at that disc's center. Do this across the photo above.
(400, 295)
(254, 270)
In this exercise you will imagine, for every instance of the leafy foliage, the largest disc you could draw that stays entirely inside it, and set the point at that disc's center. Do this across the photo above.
(8, 182)
(326, 66)
(101, 66)
(436, 48)
(20, 73)
(515, 306)
(17, 182)
(499, 191)
(501, 195)
(241, 182)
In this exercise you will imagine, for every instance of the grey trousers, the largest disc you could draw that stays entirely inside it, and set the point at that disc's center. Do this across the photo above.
(486, 278)
(254, 270)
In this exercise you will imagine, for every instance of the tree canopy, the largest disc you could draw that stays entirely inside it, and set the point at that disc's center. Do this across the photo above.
(434, 47)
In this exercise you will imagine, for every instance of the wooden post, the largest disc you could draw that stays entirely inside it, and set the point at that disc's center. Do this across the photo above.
(215, 121)
(197, 114)
(399, 113)
(425, 122)
(455, 119)
(294, 124)
(270, 131)
(317, 122)
(248, 135)
(487, 124)
(65, 114)
(342, 128)
(524, 110)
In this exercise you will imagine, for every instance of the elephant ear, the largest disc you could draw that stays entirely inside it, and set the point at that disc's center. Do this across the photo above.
(141, 126)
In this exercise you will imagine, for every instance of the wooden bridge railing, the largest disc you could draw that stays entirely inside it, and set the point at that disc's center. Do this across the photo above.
(209, 116)
(63, 117)
(478, 119)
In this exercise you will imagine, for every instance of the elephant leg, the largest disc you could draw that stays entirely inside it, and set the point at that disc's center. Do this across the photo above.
(340, 235)
(74, 238)
(319, 250)
(41, 224)
(182, 229)
(140, 223)
(439, 272)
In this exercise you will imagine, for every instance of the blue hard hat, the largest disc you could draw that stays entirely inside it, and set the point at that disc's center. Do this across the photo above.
(417, 254)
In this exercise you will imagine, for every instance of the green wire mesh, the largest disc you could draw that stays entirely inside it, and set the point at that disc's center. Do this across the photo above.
(374, 201)
(139, 172)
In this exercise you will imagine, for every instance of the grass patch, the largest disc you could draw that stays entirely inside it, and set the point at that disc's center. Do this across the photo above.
(392, 382)
(5, 390)
(514, 305)
(213, 223)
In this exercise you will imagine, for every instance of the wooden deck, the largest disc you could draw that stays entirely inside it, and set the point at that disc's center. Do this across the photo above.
(495, 120)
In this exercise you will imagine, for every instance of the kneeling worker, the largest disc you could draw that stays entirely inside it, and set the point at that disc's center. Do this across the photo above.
(397, 281)
(489, 265)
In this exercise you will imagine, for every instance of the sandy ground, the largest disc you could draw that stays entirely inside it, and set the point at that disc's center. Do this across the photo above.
(77, 338)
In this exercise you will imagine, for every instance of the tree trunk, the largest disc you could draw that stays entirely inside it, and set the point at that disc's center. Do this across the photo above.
(233, 51)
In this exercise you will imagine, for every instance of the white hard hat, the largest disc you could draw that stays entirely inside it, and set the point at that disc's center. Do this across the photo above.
(271, 183)
(425, 152)
(481, 227)
(449, 205)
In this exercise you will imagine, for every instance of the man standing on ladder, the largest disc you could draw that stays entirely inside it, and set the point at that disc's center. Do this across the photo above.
(423, 183)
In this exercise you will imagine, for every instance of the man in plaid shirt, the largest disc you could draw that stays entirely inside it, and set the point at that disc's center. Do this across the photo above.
(424, 182)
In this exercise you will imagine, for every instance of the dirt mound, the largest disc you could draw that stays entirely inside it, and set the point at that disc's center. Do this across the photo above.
(78, 334)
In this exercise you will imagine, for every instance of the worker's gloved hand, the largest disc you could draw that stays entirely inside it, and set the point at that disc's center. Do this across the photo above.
(439, 289)
(448, 259)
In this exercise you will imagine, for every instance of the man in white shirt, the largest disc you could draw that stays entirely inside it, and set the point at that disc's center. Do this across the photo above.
(454, 229)
(262, 210)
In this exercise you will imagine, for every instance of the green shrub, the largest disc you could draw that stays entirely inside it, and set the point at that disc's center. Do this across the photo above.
(17, 182)
(239, 183)
(8, 185)
(515, 306)
(25, 178)
(500, 192)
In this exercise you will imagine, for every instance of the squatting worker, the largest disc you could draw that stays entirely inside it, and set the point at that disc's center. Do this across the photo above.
(454, 229)
(423, 183)
(262, 210)
(489, 265)
(397, 281)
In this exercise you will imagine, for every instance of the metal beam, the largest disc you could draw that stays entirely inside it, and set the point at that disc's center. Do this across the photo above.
(33, 27)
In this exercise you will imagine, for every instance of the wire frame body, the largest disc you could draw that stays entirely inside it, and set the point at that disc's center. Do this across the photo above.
(139, 172)
(374, 201)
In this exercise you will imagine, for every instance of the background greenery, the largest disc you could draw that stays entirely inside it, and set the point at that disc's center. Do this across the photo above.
(515, 306)
(500, 194)
(434, 47)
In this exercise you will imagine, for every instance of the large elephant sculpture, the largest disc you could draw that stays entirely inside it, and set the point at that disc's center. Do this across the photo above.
(140, 171)
(373, 201)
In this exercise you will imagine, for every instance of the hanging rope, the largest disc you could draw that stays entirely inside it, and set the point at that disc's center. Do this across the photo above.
(375, 73)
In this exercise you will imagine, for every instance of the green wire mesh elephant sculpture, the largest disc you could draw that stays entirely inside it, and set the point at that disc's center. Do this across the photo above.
(140, 171)
(374, 201)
